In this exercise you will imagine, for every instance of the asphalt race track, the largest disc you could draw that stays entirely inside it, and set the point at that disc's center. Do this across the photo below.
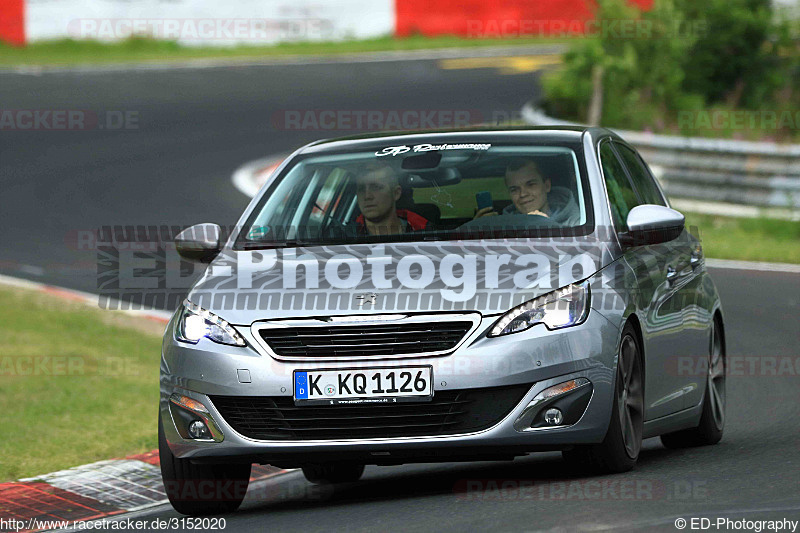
(196, 126)
(193, 129)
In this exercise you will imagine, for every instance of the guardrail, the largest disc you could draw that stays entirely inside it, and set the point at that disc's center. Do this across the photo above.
(756, 174)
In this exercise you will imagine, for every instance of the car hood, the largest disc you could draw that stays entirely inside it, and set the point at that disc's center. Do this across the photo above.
(488, 277)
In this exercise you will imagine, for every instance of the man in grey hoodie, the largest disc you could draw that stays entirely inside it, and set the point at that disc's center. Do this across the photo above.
(533, 194)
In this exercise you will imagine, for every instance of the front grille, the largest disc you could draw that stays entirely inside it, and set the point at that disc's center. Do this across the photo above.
(353, 341)
(456, 411)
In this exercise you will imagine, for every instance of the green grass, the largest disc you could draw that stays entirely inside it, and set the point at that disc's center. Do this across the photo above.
(748, 239)
(70, 52)
(95, 398)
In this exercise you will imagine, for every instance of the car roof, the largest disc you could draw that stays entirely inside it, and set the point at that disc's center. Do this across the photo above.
(475, 134)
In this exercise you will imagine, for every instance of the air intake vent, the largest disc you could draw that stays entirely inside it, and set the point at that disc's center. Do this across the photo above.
(456, 411)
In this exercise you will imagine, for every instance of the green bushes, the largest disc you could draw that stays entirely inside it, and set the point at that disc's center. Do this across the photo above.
(677, 63)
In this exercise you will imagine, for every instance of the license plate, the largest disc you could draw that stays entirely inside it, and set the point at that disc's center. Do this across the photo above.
(363, 386)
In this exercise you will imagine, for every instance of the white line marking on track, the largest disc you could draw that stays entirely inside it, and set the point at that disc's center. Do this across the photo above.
(752, 265)
(84, 297)
(31, 269)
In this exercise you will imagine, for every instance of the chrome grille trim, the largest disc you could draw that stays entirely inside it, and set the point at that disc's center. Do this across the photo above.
(257, 329)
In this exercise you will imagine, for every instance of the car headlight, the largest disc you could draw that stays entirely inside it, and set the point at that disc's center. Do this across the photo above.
(196, 323)
(564, 307)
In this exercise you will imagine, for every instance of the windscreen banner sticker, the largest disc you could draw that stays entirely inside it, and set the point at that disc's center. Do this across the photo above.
(397, 150)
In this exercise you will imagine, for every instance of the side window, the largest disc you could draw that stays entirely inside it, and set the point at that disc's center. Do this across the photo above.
(621, 195)
(642, 179)
(329, 197)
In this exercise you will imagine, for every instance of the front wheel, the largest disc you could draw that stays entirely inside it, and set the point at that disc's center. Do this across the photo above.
(333, 473)
(620, 448)
(201, 489)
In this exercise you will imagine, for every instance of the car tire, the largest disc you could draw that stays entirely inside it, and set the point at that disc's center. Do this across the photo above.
(201, 489)
(620, 448)
(331, 473)
(712, 420)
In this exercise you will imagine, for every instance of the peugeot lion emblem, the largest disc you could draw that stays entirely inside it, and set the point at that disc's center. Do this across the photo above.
(366, 299)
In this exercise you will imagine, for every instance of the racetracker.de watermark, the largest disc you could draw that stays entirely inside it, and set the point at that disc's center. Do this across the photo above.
(212, 490)
(203, 29)
(66, 365)
(499, 490)
(114, 524)
(736, 366)
(630, 28)
(744, 120)
(374, 119)
(68, 119)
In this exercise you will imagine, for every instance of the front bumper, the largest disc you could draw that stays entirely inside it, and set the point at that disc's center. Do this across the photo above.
(538, 356)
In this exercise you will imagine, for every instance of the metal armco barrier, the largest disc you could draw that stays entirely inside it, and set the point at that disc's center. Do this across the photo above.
(720, 170)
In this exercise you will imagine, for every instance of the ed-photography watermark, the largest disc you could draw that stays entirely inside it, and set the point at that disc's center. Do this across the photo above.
(735, 524)
(141, 267)
(68, 119)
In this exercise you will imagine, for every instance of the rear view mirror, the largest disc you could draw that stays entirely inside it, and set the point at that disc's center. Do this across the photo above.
(433, 178)
(199, 242)
(652, 224)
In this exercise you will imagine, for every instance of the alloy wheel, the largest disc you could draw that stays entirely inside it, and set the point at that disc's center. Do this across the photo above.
(716, 378)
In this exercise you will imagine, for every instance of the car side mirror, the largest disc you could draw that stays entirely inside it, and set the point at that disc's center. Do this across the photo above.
(652, 224)
(199, 242)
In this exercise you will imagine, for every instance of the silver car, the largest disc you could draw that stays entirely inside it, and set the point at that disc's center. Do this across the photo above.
(441, 296)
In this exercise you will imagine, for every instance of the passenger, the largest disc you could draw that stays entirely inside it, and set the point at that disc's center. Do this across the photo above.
(377, 193)
(533, 194)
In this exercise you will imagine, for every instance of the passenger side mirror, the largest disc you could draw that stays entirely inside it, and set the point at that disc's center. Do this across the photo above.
(199, 242)
(652, 224)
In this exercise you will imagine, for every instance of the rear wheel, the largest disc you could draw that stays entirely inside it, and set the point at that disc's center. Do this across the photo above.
(333, 473)
(712, 421)
(620, 448)
(201, 489)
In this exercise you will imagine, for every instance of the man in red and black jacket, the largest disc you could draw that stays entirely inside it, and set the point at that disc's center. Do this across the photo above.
(377, 193)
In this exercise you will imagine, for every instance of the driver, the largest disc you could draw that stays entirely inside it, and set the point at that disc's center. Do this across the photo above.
(533, 194)
(377, 193)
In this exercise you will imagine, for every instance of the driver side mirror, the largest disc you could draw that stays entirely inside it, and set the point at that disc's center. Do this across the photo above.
(199, 242)
(652, 224)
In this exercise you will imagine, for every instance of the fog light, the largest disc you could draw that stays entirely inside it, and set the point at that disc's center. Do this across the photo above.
(553, 417)
(198, 430)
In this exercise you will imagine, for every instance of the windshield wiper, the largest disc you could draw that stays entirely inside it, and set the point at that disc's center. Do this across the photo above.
(271, 245)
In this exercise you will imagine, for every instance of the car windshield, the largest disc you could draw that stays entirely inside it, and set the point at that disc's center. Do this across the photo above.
(422, 192)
